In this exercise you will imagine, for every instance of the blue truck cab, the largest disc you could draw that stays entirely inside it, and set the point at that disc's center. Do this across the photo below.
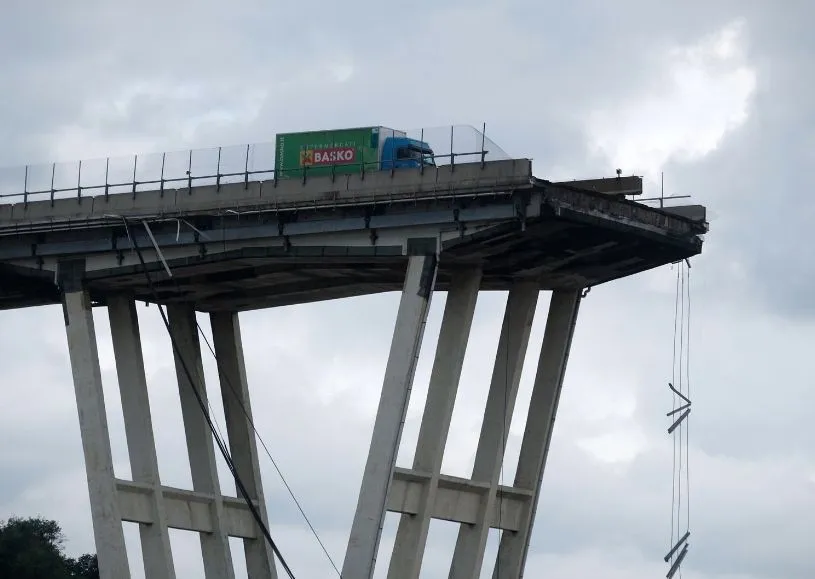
(400, 151)
(395, 150)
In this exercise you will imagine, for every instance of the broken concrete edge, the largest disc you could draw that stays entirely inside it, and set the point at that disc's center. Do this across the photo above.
(660, 221)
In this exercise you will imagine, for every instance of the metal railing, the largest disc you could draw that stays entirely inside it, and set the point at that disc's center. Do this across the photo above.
(660, 201)
(180, 170)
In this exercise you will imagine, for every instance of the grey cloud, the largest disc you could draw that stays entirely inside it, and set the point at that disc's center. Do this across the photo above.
(232, 53)
(534, 76)
(755, 182)
(743, 407)
(283, 398)
(722, 538)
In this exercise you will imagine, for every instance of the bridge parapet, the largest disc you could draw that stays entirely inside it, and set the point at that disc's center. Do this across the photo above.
(216, 166)
(490, 177)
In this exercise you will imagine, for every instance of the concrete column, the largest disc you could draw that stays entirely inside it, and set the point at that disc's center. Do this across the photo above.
(141, 445)
(226, 335)
(512, 345)
(93, 426)
(363, 544)
(214, 545)
(408, 551)
(554, 354)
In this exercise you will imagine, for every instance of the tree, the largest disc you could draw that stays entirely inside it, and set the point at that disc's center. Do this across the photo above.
(32, 548)
(84, 567)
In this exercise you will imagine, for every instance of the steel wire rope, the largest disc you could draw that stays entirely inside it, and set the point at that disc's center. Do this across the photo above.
(262, 442)
(682, 319)
(687, 420)
(246, 414)
(673, 380)
(684, 426)
(681, 387)
(227, 458)
(268, 453)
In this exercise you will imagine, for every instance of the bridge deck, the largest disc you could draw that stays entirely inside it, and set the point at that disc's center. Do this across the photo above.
(241, 248)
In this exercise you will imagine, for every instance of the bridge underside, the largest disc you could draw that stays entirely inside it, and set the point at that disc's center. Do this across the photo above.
(555, 237)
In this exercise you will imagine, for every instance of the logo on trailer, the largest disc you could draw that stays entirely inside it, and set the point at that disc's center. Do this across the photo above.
(306, 157)
(328, 156)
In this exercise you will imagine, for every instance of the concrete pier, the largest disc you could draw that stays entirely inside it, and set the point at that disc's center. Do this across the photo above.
(145, 500)
(238, 247)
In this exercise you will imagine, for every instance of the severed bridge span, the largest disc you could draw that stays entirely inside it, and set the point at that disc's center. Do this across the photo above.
(233, 241)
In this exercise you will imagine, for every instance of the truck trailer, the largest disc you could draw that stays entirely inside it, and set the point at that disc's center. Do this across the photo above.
(347, 151)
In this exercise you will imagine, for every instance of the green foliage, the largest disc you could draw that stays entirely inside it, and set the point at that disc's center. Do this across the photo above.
(84, 567)
(32, 548)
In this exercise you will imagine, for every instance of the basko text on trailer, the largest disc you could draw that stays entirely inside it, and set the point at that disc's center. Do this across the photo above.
(346, 151)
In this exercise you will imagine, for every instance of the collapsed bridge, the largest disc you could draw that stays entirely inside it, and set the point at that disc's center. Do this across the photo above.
(226, 248)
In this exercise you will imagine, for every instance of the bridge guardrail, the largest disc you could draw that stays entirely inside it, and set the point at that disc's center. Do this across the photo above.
(207, 166)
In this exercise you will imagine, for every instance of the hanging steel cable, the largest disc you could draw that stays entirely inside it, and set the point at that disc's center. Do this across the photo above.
(204, 407)
(680, 388)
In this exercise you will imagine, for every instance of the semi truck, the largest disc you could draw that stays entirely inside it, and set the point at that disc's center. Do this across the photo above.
(346, 151)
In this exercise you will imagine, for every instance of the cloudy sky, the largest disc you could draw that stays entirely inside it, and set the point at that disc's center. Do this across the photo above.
(717, 94)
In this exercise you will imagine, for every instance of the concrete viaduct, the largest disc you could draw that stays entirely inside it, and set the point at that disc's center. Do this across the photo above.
(463, 229)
